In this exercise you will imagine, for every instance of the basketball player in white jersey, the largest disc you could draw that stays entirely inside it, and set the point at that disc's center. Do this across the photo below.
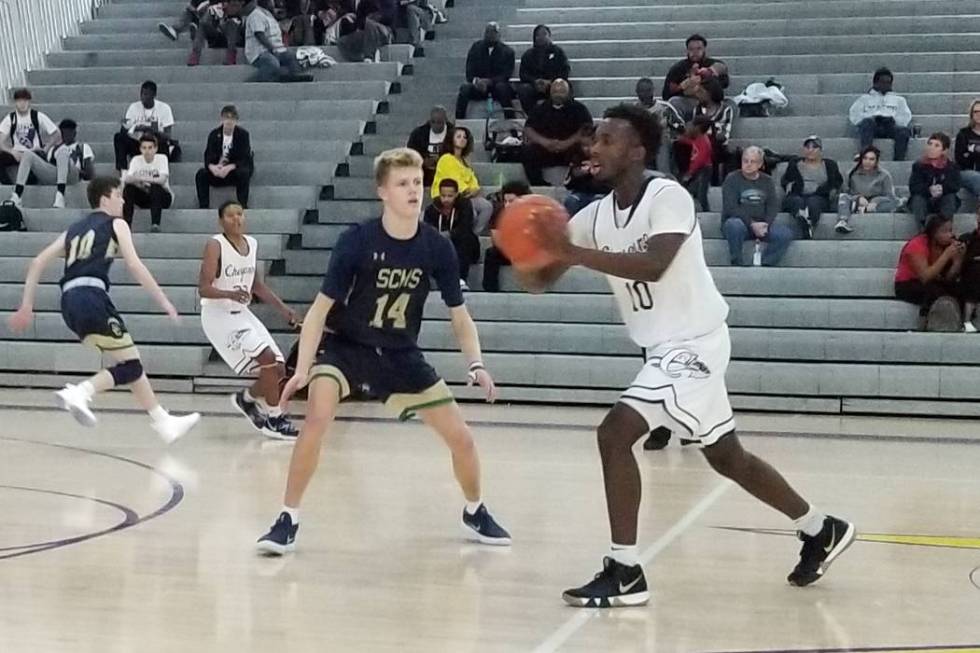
(645, 237)
(226, 285)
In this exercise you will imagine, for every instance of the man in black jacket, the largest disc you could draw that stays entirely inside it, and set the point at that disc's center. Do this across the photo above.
(227, 160)
(556, 130)
(540, 65)
(428, 139)
(812, 184)
(686, 76)
(489, 65)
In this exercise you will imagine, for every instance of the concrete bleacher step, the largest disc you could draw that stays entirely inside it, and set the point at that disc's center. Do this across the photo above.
(185, 197)
(128, 299)
(182, 360)
(156, 50)
(200, 74)
(168, 271)
(287, 151)
(200, 221)
(161, 245)
(292, 173)
(226, 93)
(194, 123)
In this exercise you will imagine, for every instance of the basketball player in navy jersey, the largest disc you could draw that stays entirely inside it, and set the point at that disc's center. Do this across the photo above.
(646, 238)
(89, 247)
(375, 288)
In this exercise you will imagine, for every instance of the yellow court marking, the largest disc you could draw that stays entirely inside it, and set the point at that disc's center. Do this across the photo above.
(939, 541)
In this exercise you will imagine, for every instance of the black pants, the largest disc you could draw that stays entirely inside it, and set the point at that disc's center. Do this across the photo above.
(924, 295)
(921, 206)
(240, 178)
(126, 146)
(529, 96)
(8, 161)
(156, 199)
(467, 248)
(536, 159)
(492, 263)
(499, 91)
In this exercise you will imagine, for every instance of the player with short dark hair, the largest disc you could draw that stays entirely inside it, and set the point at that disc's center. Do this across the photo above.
(229, 276)
(645, 237)
(89, 247)
(375, 289)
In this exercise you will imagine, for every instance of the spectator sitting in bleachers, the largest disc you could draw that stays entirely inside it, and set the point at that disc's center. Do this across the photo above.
(720, 114)
(967, 151)
(970, 276)
(227, 160)
(297, 23)
(452, 215)
(24, 130)
(148, 116)
(428, 140)
(812, 183)
(417, 17)
(749, 206)
(494, 258)
(147, 183)
(880, 113)
(868, 188)
(580, 182)
(67, 163)
(673, 124)
(685, 77)
(221, 26)
(693, 158)
(327, 20)
(370, 28)
(454, 164)
(929, 266)
(541, 64)
(489, 66)
(265, 50)
(190, 19)
(555, 132)
(935, 181)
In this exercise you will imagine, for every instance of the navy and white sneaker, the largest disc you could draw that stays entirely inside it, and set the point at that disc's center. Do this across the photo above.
(249, 410)
(280, 539)
(616, 586)
(483, 528)
(821, 550)
(279, 427)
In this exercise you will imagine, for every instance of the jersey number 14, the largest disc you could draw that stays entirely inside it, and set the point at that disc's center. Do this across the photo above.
(392, 308)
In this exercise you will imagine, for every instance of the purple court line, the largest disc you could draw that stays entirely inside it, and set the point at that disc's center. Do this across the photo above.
(870, 649)
(131, 517)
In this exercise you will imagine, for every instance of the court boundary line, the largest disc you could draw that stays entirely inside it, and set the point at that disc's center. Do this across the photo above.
(583, 616)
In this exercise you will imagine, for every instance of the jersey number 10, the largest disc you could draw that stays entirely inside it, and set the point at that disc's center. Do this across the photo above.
(640, 295)
(392, 308)
(80, 247)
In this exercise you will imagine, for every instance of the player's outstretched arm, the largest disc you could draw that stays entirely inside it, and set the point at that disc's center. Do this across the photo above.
(22, 318)
(469, 343)
(269, 296)
(309, 339)
(139, 271)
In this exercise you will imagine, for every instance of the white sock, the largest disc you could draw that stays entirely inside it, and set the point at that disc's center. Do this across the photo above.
(87, 388)
(262, 406)
(811, 523)
(274, 411)
(293, 514)
(248, 396)
(473, 506)
(158, 414)
(624, 554)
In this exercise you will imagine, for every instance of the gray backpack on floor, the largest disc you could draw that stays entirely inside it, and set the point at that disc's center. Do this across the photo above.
(944, 316)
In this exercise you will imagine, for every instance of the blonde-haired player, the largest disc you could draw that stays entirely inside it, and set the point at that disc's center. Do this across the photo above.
(375, 289)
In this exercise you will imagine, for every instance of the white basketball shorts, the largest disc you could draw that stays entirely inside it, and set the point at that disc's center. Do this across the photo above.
(238, 336)
(682, 387)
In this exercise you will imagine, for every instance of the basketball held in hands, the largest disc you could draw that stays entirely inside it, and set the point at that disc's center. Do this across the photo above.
(514, 236)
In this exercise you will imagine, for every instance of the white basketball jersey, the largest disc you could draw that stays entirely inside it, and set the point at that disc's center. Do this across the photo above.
(235, 271)
(684, 304)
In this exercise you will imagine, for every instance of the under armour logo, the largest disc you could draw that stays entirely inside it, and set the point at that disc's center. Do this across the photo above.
(379, 256)
(683, 362)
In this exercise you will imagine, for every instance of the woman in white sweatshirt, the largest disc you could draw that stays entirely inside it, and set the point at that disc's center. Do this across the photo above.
(147, 183)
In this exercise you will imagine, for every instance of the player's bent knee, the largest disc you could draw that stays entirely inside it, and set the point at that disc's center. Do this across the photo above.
(127, 372)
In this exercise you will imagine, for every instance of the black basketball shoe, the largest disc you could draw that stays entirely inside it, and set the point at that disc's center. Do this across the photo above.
(481, 526)
(279, 428)
(280, 539)
(249, 410)
(821, 550)
(615, 586)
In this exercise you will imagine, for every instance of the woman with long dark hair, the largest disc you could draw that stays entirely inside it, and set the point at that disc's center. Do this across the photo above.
(868, 188)
(455, 164)
(929, 266)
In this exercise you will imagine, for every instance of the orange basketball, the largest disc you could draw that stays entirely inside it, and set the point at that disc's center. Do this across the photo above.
(512, 235)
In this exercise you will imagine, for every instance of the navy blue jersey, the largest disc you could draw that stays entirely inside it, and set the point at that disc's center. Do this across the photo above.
(90, 245)
(383, 283)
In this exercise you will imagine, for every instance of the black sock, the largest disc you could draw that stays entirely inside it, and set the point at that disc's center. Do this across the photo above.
(19, 189)
(61, 188)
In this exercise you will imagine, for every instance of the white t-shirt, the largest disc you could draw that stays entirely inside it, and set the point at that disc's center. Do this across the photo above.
(235, 271)
(159, 117)
(226, 141)
(26, 137)
(684, 304)
(140, 170)
(436, 141)
(261, 20)
(77, 153)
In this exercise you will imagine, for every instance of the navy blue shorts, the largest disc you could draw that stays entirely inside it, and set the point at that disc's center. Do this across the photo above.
(90, 313)
(400, 378)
